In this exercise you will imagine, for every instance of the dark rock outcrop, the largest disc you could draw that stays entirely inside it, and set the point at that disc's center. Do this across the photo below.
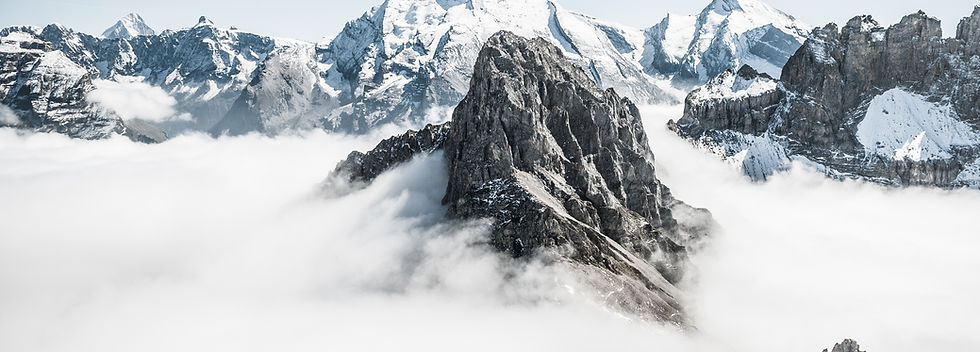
(854, 101)
(365, 167)
(847, 346)
(563, 169)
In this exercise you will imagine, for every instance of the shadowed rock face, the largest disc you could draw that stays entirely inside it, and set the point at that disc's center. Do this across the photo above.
(844, 77)
(563, 169)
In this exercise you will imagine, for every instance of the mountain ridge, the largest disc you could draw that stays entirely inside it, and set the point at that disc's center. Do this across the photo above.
(897, 106)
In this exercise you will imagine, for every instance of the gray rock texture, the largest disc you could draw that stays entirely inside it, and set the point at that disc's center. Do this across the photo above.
(47, 92)
(565, 172)
(836, 80)
(847, 346)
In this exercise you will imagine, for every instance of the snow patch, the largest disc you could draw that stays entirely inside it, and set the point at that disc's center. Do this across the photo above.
(900, 125)
(732, 86)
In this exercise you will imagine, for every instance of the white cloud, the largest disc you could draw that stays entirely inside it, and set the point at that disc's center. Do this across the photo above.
(8, 117)
(203, 244)
(803, 260)
(221, 244)
(131, 98)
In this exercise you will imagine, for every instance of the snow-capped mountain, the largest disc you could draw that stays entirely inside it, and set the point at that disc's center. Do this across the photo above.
(204, 67)
(128, 27)
(404, 57)
(899, 106)
(726, 34)
(583, 188)
(46, 91)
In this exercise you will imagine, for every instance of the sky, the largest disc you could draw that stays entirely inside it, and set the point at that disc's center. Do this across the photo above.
(312, 19)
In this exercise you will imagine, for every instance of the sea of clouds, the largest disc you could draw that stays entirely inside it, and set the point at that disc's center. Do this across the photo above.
(204, 244)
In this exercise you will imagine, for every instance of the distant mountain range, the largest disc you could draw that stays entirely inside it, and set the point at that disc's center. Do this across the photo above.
(403, 62)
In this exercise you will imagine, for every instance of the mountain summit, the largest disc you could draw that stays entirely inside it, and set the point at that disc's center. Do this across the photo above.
(563, 169)
(128, 27)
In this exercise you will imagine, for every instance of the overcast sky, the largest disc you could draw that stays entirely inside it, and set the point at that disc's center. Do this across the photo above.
(314, 19)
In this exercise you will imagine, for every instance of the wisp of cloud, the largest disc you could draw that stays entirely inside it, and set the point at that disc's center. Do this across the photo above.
(131, 99)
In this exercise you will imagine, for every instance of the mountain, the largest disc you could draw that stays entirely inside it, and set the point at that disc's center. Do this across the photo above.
(726, 34)
(128, 27)
(47, 92)
(204, 67)
(405, 62)
(898, 106)
(564, 170)
(404, 57)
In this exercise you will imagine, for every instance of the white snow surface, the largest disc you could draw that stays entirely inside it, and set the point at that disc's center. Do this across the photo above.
(128, 27)
(19, 42)
(730, 85)
(900, 125)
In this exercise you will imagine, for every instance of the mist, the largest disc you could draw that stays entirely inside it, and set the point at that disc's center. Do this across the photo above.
(131, 98)
(803, 260)
(205, 244)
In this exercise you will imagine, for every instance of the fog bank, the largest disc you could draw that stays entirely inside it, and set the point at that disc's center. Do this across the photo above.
(203, 244)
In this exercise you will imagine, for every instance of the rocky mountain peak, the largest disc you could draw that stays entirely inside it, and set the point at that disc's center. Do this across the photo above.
(564, 170)
(725, 6)
(968, 29)
(204, 21)
(130, 26)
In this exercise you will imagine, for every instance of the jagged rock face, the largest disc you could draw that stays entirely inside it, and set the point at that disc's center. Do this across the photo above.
(726, 34)
(563, 169)
(847, 346)
(404, 58)
(898, 106)
(365, 167)
(286, 93)
(47, 91)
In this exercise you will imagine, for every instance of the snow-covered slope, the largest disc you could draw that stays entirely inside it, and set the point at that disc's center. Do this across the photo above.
(902, 125)
(726, 34)
(128, 27)
(404, 57)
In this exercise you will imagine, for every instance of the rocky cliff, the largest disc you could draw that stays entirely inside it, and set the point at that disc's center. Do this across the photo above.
(563, 169)
(46, 92)
(898, 106)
